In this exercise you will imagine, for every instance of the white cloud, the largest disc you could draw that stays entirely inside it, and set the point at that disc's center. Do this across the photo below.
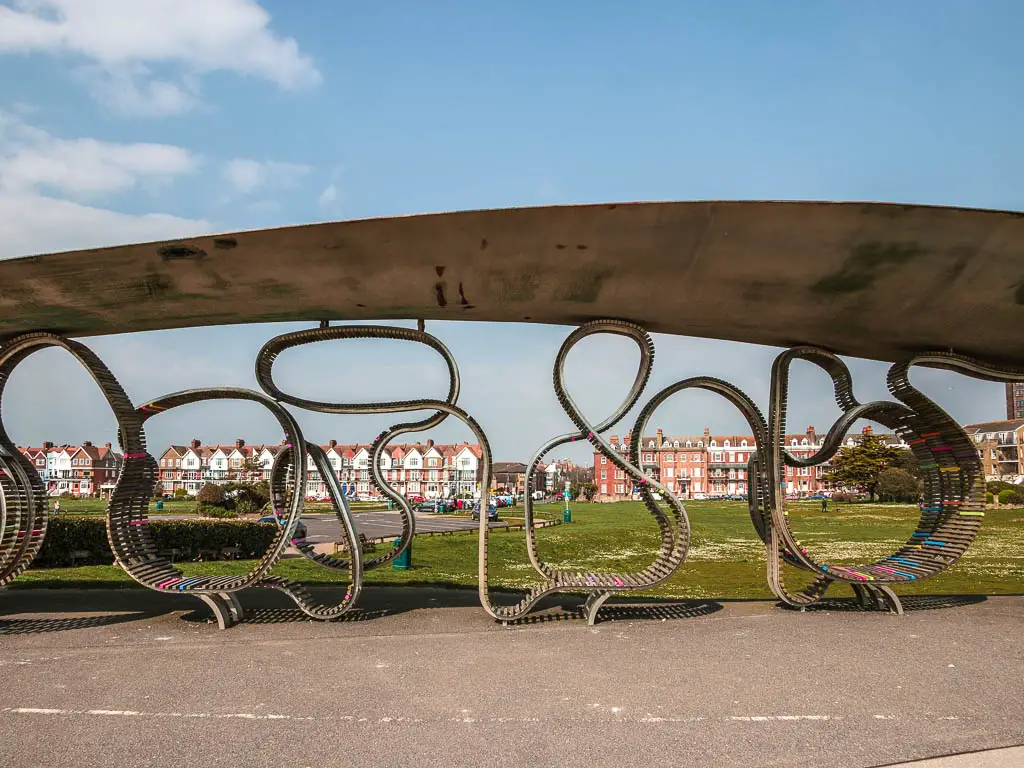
(122, 40)
(39, 224)
(328, 196)
(37, 169)
(133, 94)
(248, 176)
(33, 160)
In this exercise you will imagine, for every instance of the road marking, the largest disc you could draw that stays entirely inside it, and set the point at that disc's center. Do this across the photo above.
(463, 718)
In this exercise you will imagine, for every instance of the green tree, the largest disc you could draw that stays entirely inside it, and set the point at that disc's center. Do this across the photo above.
(858, 466)
(210, 494)
(251, 469)
(587, 491)
(895, 484)
(907, 461)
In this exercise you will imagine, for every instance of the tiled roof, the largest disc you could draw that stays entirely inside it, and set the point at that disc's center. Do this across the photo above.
(1006, 425)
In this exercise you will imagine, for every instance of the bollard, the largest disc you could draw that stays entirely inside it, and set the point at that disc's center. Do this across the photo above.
(404, 561)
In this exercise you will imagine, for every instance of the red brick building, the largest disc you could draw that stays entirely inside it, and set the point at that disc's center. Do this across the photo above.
(703, 466)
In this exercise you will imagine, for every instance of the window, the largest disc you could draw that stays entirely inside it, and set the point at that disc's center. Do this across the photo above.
(604, 487)
(689, 444)
(675, 443)
(696, 471)
(700, 443)
(604, 459)
(743, 443)
(726, 444)
(717, 457)
(712, 444)
(648, 457)
(669, 458)
(668, 471)
(793, 441)
(604, 474)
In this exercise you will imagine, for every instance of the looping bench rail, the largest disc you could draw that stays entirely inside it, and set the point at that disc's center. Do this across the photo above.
(874, 280)
(950, 517)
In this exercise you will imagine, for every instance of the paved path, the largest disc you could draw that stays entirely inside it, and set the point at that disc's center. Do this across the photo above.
(130, 678)
(325, 527)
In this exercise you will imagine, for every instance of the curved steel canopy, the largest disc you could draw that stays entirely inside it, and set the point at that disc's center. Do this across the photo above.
(867, 279)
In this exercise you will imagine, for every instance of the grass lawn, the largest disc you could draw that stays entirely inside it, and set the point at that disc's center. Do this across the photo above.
(726, 559)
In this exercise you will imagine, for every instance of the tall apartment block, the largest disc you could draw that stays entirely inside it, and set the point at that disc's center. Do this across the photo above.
(1015, 400)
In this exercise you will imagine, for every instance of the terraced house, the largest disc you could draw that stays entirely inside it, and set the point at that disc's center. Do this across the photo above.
(77, 470)
(416, 469)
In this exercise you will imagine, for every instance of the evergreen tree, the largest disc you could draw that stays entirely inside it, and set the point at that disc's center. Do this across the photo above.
(859, 466)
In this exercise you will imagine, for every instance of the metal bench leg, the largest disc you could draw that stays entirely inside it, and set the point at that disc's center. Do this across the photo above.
(594, 602)
(221, 610)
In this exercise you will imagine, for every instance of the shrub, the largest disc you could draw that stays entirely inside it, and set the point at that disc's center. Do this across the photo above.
(896, 484)
(253, 496)
(180, 493)
(246, 507)
(66, 534)
(843, 497)
(209, 510)
(1012, 496)
(995, 486)
(989, 497)
(210, 494)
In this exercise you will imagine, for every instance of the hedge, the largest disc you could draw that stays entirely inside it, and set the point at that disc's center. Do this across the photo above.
(1011, 496)
(67, 534)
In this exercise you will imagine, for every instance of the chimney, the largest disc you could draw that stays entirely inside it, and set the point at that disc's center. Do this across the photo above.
(707, 431)
(47, 446)
(196, 443)
(627, 438)
(812, 437)
(659, 439)
(107, 446)
(332, 443)
(430, 444)
(867, 430)
(87, 443)
(239, 443)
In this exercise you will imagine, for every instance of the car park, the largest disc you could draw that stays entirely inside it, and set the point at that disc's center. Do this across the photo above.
(492, 511)
(300, 527)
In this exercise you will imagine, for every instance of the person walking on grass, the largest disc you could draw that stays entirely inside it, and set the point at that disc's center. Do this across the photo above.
(56, 508)
(824, 504)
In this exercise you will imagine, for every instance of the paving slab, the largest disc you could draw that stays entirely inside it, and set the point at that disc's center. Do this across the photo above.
(423, 677)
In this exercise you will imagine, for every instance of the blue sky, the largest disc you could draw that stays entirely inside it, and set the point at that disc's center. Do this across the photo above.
(123, 121)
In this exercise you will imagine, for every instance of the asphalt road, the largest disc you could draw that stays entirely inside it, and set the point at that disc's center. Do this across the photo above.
(130, 678)
(322, 528)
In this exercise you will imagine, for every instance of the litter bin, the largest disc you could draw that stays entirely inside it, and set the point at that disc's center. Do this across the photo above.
(566, 515)
(159, 506)
(404, 561)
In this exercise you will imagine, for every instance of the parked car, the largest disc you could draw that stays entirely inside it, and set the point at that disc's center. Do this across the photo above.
(300, 527)
(492, 511)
